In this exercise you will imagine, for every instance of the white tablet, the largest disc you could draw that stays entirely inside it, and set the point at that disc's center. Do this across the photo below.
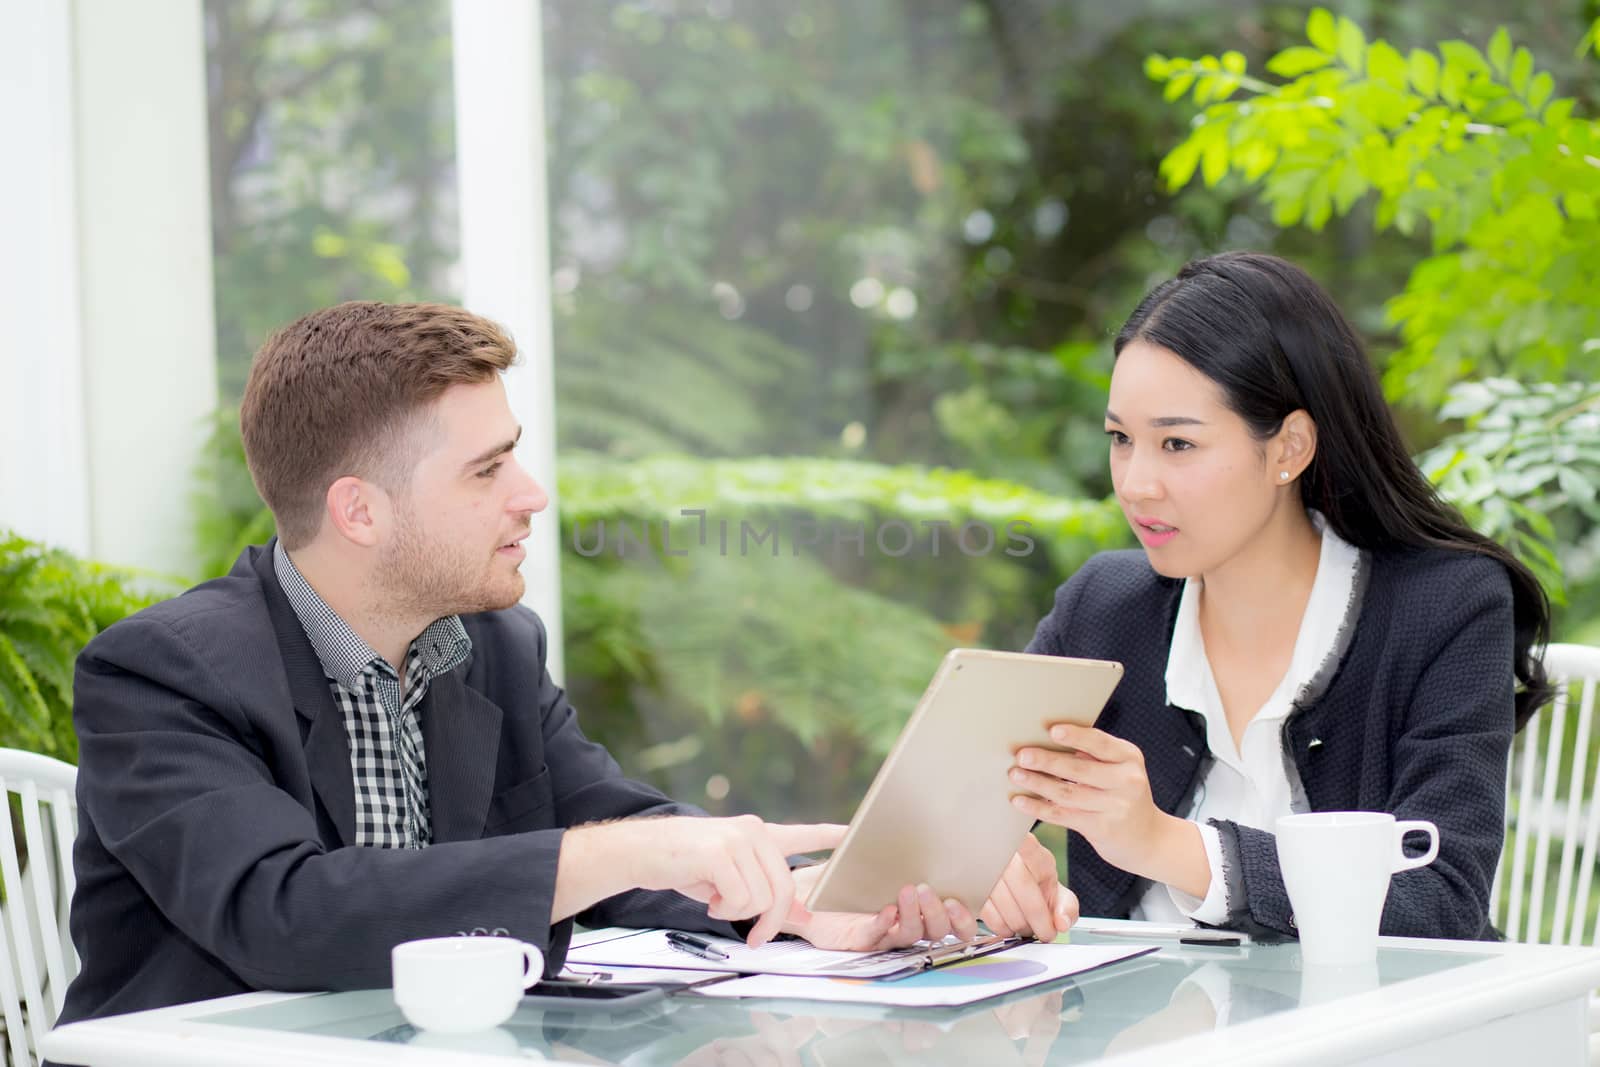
(939, 810)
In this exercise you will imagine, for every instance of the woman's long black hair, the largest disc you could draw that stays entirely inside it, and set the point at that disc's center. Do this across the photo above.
(1269, 336)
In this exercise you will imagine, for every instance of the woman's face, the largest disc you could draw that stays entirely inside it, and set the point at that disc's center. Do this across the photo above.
(1193, 482)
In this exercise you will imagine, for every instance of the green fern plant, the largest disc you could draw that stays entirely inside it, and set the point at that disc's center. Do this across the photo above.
(766, 671)
(641, 379)
(51, 605)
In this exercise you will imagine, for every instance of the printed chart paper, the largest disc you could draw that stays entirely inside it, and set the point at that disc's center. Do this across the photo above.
(953, 984)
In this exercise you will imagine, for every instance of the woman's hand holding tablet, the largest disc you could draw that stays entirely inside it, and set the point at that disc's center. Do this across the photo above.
(939, 812)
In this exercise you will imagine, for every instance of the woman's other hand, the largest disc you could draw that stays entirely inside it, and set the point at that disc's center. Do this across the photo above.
(1101, 790)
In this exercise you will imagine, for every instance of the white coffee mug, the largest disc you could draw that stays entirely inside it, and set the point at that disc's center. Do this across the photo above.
(455, 985)
(1336, 866)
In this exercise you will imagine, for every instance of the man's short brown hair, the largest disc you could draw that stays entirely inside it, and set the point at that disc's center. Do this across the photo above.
(342, 391)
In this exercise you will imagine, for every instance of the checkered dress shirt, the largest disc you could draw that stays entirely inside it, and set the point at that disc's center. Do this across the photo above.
(387, 760)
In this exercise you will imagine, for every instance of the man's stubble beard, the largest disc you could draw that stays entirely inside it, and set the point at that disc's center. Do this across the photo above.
(417, 577)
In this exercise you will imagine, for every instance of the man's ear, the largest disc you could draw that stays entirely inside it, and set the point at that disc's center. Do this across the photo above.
(358, 511)
(1294, 446)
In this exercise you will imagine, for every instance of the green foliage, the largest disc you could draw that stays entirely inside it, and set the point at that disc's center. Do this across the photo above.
(1016, 413)
(1591, 39)
(740, 663)
(1528, 458)
(51, 605)
(661, 487)
(331, 139)
(662, 109)
(228, 514)
(897, 195)
(1471, 145)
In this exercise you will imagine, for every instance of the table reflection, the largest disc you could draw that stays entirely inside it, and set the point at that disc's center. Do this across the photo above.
(1155, 999)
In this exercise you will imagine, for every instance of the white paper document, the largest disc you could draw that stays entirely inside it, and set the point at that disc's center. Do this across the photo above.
(957, 983)
(652, 948)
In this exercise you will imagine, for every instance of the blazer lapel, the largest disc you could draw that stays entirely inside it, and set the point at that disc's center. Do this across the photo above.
(328, 763)
(327, 747)
(461, 741)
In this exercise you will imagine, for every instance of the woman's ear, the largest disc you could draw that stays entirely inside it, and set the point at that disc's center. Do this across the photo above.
(1294, 446)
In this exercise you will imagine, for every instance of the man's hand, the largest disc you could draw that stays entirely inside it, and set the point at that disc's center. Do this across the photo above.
(916, 915)
(1028, 900)
(736, 866)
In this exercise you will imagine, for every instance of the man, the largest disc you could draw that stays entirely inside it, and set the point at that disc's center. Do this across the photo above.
(351, 740)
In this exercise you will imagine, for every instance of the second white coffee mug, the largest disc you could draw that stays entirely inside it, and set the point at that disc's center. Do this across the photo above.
(455, 985)
(1336, 866)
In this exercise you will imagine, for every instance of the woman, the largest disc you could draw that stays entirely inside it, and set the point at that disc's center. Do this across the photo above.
(1308, 627)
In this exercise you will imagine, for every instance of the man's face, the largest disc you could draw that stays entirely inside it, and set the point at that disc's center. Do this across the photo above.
(456, 544)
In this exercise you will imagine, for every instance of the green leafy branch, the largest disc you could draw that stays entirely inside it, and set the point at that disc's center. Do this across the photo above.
(1473, 144)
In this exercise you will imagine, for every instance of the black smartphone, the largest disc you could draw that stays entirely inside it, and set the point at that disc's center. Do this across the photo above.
(575, 996)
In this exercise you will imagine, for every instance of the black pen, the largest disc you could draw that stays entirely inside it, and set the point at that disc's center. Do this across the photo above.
(695, 946)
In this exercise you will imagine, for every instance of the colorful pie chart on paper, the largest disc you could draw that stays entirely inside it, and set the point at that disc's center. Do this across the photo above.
(980, 971)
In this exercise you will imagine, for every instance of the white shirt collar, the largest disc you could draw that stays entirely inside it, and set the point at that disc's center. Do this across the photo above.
(1189, 680)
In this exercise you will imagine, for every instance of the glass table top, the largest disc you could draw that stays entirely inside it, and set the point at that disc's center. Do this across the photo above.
(1176, 993)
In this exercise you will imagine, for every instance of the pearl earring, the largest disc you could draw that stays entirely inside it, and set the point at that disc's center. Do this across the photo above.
(1283, 476)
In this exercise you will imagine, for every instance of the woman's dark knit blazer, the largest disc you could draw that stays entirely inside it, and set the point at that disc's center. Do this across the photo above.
(1411, 714)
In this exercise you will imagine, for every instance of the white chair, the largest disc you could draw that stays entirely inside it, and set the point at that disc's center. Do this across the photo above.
(37, 960)
(1553, 799)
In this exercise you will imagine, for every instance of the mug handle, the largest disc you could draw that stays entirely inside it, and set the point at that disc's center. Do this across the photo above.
(1402, 862)
(533, 965)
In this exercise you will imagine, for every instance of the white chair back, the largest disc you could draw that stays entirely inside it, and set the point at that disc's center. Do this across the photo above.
(1553, 808)
(36, 954)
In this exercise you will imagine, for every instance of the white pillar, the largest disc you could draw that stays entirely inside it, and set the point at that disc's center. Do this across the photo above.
(505, 257)
(144, 220)
(43, 473)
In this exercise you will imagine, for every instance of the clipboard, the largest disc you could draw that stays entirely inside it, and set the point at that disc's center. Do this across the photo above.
(939, 810)
(793, 959)
(918, 959)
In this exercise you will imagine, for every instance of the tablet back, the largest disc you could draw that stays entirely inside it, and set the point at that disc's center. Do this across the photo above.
(939, 810)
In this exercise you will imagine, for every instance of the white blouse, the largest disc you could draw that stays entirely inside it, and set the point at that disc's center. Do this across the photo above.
(1249, 783)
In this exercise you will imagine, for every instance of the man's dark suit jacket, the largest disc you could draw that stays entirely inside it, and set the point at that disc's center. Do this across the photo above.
(217, 807)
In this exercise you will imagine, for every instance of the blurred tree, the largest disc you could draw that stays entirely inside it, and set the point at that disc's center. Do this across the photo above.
(332, 145)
